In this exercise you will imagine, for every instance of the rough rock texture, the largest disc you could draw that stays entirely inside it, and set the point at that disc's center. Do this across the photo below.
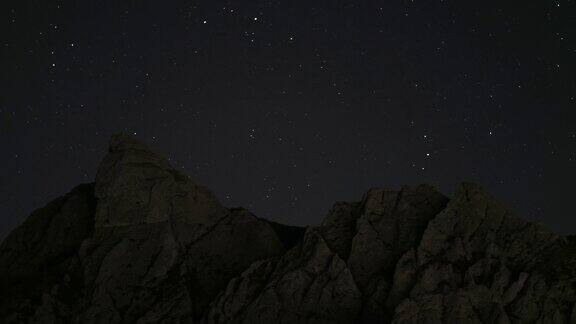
(413, 256)
(309, 284)
(39, 263)
(145, 244)
(478, 263)
(388, 224)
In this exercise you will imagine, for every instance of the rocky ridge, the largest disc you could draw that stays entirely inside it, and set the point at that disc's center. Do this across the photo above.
(146, 244)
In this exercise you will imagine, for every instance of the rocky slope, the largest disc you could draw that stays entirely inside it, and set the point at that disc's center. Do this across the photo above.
(145, 244)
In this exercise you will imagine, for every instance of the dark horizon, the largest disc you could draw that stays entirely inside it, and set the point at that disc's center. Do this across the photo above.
(286, 108)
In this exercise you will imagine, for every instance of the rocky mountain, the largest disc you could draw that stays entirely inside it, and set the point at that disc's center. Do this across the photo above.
(145, 244)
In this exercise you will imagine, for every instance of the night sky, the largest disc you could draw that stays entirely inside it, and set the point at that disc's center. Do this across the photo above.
(285, 107)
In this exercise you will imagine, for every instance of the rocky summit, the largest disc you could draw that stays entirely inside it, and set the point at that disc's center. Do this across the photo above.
(146, 244)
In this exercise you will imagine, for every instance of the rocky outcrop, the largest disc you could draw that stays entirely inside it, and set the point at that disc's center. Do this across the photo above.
(479, 263)
(143, 244)
(308, 284)
(146, 244)
(389, 223)
(413, 256)
(39, 264)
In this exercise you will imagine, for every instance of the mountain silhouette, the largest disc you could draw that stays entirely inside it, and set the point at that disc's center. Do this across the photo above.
(146, 244)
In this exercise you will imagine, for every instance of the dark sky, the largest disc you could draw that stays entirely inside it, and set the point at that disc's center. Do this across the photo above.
(285, 107)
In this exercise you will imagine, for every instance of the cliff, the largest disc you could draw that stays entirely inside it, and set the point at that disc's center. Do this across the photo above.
(145, 244)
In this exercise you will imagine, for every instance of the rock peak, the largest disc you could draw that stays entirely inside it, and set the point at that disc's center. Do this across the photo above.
(136, 186)
(146, 244)
(122, 142)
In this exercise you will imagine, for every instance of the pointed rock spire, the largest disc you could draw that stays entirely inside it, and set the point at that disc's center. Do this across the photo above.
(137, 186)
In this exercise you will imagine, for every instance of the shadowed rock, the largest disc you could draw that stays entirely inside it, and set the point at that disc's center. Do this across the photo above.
(308, 284)
(39, 262)
(479, 263)
(146, 244)
(415, 257)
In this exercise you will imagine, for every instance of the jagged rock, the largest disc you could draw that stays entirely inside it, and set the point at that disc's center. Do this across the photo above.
(135, 186)
(50, 233)
(339, 227)
(157, 232)
(373, 234)
(477, 262)
(310, 284)
(146, 244)
(388, 224)
(38, 260)
(417, 257)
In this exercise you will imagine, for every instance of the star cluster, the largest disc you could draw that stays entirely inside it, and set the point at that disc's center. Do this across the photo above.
(285, 107)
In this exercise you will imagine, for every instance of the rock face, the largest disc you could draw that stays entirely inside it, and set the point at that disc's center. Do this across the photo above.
(145, 244)
(39, 263)
(142, 244)
(310, 283)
